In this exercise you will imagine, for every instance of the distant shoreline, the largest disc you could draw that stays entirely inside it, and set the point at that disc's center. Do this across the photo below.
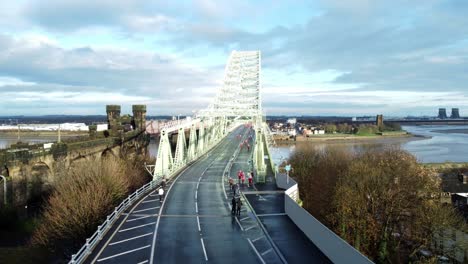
(346, 138)
(30, 133)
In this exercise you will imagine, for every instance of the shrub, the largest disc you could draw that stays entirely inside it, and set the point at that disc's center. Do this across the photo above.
(80, 202)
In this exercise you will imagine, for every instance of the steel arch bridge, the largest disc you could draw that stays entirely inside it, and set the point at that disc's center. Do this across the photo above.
(237, 101)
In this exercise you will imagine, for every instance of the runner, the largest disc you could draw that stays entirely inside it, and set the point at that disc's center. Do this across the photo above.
(242, 178)
(233, 206)
(161, 194)
(231, 183)
(239, 205)
(250, 179)
(239, 175)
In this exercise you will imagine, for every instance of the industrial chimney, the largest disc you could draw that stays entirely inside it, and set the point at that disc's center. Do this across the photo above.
(455, 113)
(442, 113)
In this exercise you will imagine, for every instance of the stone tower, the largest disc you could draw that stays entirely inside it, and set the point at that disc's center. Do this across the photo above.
(113, 117)
(139, 117)
(379, 120)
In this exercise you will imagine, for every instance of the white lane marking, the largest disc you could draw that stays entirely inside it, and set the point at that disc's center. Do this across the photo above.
(198, 184)
(138, 218)
(143, 262)
(258, 238)
(148, 201)
(248, 228)
(245, 218)
(278, 214)
(237, 220)
(198, 222)
(128, 239)
(268, 251)
(135, 227)
(152, 208)
(256, 252)
(196, 207)
(115, 231)
(155, 235)
(204, 250)
(196, 194)
(123, 253)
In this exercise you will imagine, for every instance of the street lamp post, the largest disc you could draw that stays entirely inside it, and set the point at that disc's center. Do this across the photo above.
(4, 189)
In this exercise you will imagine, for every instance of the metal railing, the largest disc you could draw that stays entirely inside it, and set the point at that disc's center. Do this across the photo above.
(91, 242)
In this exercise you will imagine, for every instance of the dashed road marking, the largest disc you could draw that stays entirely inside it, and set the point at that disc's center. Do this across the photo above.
(237, 220)
(248, 228)
(245, 218)
(123, 253)
(258, 238)
(143, 262)
(128, 239)
(267, 251)
(135, 227)
(204, 250)
(138, 218)
(256, 252)
(148, 201)
(152, 208)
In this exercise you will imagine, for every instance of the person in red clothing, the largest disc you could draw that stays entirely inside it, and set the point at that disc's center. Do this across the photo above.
(239, 175)
(250, 179)
(242, 178)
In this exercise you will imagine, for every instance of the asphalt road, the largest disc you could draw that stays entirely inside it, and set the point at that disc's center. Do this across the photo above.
(192, 225)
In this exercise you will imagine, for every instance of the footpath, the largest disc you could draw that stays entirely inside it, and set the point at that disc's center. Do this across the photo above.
(264, 213)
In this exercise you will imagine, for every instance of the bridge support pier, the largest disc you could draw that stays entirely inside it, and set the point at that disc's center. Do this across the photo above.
(201, 139)
(164, 161)
(259, 155)
(192, 149)
(181, 149)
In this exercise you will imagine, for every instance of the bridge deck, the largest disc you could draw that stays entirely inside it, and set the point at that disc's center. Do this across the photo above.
(194, 224)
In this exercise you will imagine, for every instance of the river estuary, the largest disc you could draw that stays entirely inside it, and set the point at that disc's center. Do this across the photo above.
(433, 144)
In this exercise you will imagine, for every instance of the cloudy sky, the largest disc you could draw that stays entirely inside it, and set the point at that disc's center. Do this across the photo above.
(333, 57)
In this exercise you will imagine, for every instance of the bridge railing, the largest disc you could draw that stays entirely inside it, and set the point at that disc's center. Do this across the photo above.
(91, 242)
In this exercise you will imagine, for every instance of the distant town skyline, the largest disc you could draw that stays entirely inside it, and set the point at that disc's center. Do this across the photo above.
(335, 57)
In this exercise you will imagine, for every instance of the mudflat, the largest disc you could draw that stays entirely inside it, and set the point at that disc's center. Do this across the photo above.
(452, 131)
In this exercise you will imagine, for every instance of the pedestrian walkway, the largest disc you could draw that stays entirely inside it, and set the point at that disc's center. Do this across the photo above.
(267, 203)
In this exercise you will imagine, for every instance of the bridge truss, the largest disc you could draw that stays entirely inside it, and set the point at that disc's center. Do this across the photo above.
(237, 101)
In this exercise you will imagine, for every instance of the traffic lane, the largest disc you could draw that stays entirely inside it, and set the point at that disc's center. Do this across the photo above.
(267, 203)
(178, 241)
(291, 241)
(225, 242)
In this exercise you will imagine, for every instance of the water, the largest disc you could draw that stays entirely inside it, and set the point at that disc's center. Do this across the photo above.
(7, 140)
(436, 146)
(439, 146)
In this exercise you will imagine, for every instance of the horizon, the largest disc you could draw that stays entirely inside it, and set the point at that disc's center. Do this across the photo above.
(393, 58)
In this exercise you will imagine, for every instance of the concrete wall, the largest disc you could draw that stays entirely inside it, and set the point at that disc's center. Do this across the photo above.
(333, 246)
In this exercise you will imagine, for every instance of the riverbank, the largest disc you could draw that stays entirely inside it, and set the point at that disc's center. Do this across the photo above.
(31, 133)
(346, 137)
